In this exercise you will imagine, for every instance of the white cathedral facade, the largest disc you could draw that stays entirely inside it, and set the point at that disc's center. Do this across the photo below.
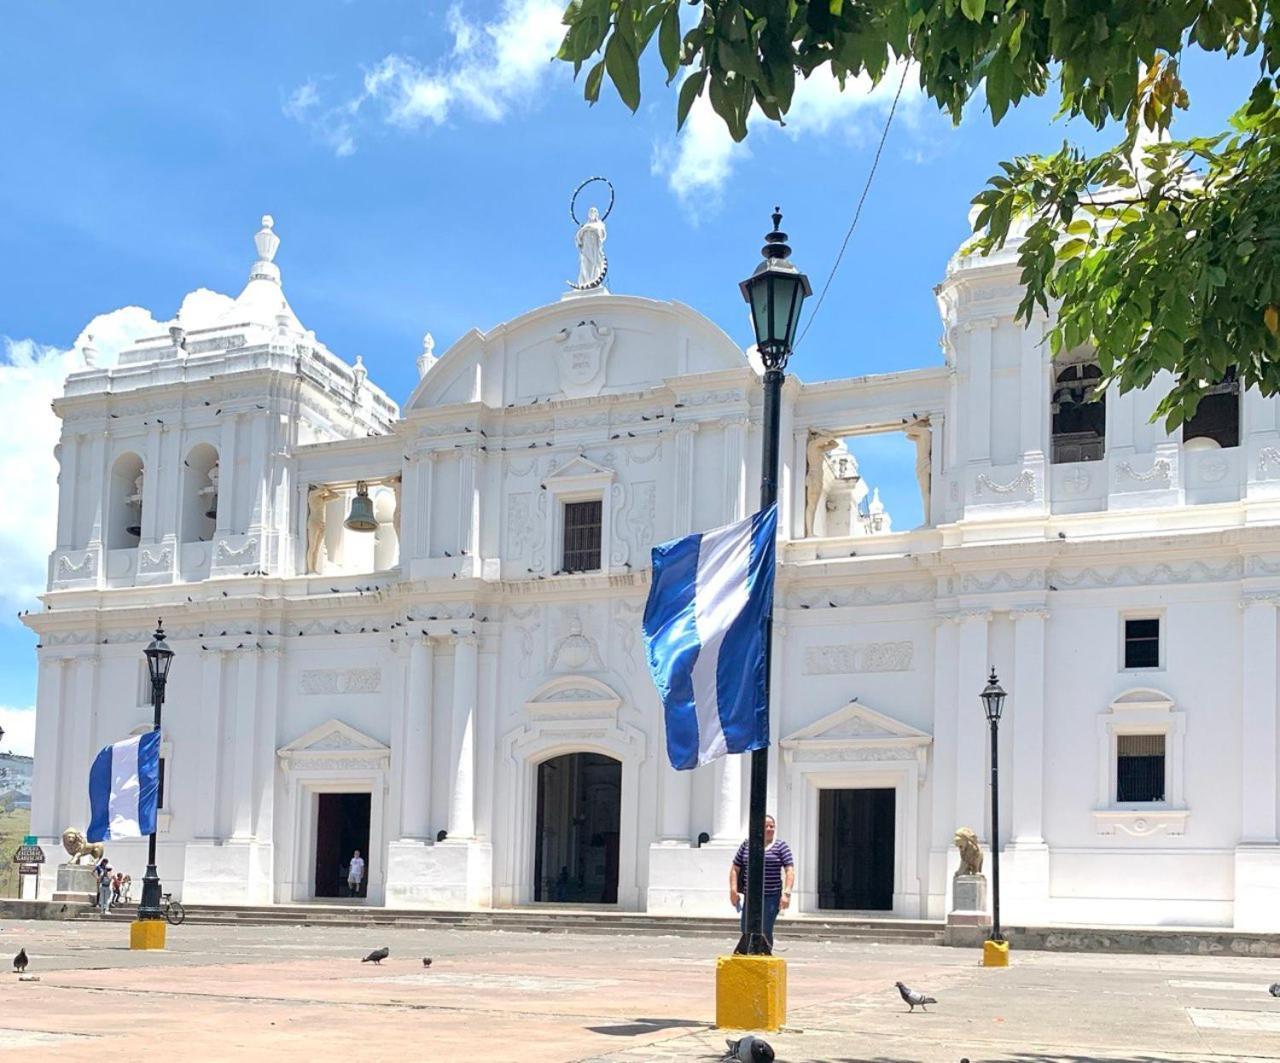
(457, 687)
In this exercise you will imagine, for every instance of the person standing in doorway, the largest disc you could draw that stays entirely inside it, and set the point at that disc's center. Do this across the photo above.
(779, 878)
(355, 874)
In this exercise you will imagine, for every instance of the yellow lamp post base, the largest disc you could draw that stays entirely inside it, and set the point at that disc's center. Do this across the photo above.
(146, 934)
(995, 953)
(751, 992)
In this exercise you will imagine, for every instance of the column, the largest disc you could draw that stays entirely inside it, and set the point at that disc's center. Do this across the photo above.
(682, 517)
(46, 818)
(227, 475)
(468, 514)
(677, 791)
(68, 490)
(79, 745)
(205, 811)
(260, 473)
(97, 462)
(462, 738)
(1258, 721)
(152, 488)
(240, 746)
(921, 434)
(979, 405)
(972, 741)
(726, 814)
(1032, 392)
(735, 486)
(422, 505)
(264, 747)
(415, 775)
(1026, 702)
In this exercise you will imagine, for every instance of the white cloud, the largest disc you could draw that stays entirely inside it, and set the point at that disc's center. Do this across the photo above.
(19, 729)
(492, 68)
(700, 160)
(31, 377)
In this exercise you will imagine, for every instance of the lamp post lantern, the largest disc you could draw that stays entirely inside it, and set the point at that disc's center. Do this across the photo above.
(993, 696)
(775, 292)
(159, 657)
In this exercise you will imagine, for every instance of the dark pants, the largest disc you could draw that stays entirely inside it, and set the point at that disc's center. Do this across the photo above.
(772, 902)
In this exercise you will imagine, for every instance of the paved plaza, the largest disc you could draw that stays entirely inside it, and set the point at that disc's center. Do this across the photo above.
(293, 993)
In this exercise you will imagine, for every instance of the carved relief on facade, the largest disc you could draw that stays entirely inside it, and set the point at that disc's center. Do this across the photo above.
(520, 524)
(1159, 475)
(340, 681)
(864, 657)
(575, 651)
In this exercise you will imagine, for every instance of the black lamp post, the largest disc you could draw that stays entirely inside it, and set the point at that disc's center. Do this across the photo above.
(993, 696)
(159, 657)
(775, 292)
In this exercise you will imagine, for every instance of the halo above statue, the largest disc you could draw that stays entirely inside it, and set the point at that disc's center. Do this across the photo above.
(573, 199)
(593, 266)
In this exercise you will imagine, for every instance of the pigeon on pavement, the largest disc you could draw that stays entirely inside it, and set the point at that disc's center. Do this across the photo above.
(914, 998)
(377, 956)
(20, 961)
(751, 1049)
(426, 961)
(1275, 989)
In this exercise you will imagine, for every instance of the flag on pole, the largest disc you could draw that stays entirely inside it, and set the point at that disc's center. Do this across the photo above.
(704, 630)
(124, 788)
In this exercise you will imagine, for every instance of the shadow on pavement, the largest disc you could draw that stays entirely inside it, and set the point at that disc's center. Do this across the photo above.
(637, 1027)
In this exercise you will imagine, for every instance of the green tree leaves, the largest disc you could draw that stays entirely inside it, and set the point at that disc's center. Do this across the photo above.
(1162, 258)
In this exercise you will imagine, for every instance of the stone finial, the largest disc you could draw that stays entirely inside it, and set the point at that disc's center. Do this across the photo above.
(266, 241)
(876, 506)
(178, 336)
(89, 353)
(359, 372)
(428, 356)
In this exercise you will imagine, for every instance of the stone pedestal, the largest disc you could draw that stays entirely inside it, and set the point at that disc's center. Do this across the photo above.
(77, 884)
(968, 922)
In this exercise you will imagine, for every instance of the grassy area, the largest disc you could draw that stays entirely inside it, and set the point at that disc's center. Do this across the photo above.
(13, 827)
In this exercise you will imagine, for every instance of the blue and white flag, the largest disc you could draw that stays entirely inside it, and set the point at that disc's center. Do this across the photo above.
(124, 787)
(704, 629)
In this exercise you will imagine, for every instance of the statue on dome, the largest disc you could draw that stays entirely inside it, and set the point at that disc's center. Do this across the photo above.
(428, 356)
(593, 265)
(590, 241)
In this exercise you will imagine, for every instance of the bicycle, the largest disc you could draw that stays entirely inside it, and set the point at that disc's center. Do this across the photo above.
(174, 913)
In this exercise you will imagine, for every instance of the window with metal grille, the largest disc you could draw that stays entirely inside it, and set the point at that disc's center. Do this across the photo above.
(582, 536)
(1142, 643)
(1139, 768)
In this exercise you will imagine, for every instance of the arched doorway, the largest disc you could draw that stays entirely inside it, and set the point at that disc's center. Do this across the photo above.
(579, 814)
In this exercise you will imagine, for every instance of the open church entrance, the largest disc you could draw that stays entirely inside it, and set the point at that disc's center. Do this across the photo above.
(579, 814)
(855, 849)
(342, 827)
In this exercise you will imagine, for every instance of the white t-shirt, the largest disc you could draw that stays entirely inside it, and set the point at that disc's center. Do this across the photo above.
(356, 874)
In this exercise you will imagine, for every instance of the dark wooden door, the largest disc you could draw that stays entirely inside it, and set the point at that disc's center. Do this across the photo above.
(856, 849)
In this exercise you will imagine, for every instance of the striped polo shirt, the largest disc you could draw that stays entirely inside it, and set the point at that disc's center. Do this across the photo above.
(776, 857)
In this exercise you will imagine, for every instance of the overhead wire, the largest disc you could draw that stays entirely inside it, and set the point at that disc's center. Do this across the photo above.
(875, 163)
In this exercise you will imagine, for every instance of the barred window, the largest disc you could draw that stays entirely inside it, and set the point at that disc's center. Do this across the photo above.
(1140, 767)
(582, 530)
(1142, 643)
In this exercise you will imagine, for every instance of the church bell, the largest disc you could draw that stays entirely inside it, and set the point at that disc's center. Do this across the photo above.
(361, 517)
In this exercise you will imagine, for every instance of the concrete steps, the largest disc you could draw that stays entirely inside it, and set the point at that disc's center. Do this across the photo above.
(548, 921)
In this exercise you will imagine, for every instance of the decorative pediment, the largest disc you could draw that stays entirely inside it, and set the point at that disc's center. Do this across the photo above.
(858, 733)
(1143, 699)
(579, 471)
(334, 744)
(573, 697)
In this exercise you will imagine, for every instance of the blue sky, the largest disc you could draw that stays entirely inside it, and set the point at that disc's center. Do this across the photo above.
(418, 172)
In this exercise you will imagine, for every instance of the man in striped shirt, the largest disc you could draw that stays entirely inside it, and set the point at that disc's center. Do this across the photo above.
(779, 878)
